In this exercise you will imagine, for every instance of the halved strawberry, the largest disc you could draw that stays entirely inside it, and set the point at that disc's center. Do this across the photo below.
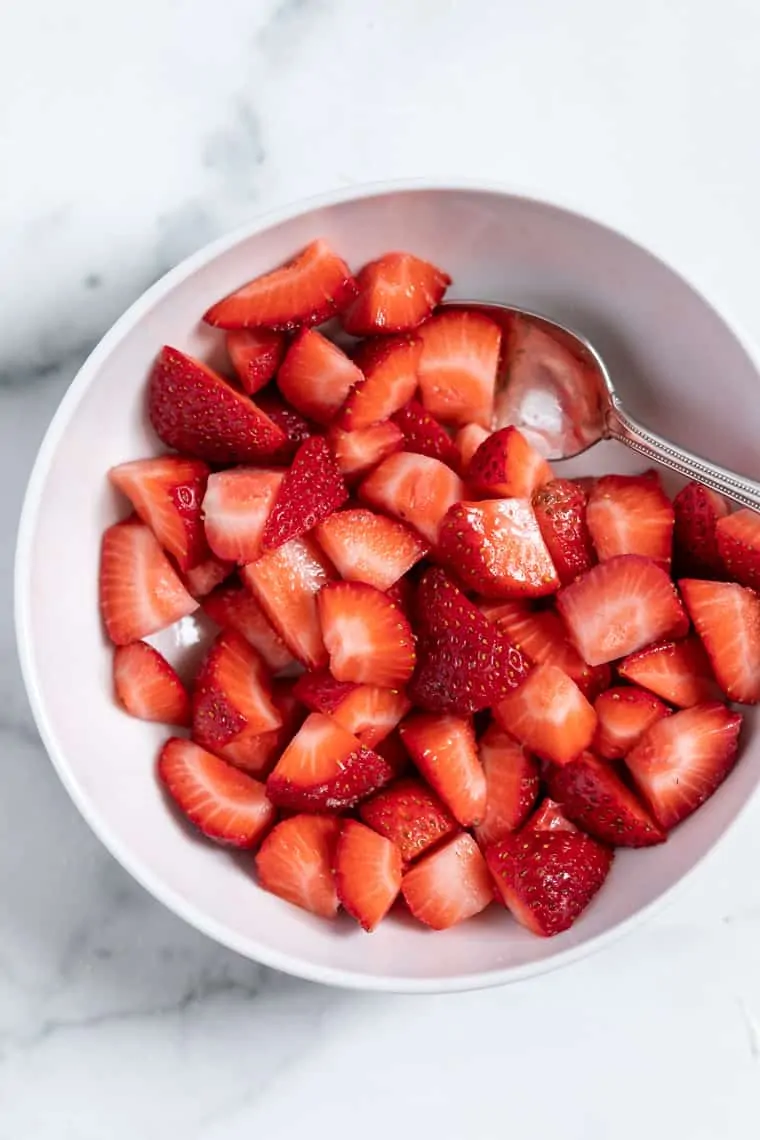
(325, 768)
(207, 575)
(367, 547)
(467, 441)
(195, 411)
(312, 489)
(369, 712)
(738, 539)
(506, 465)
(236, 507)
(295, 862)
(681, 760)
(147, 686)
(316, 376)
(410, 814)
(695, 545)
(443, 748)
(256, 355)
(395, 293)
(225, 804)
(677, 671)
(448, 885)
(357, 452)
(512, 782)
(367, 873)
(166, 493)
(140, 591)
(458, 366)
(631, 514)
(297, 428)
(549, 715)
(311, 288)
(549, 817)
(591, 794)
(423, 435)
(414, 488)
(234, 607)
(727, 618)
(620, 606)
(624, 712)
(285, 583)
(368, 638)
(389, 365)
(548, 878)
(257, 753)
(496, 548)
(560, 508)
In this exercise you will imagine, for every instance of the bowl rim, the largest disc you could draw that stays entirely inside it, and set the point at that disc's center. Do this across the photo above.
(288, 963)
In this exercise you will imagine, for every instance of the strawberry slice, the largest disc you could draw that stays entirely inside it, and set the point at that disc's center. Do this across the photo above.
(591, 794)
(207, 575)
(311, 288)
(366, 635)
(738, 539)
(325, 768)
(367, 873)
(389, 365)
(258, 752)
(224, 804)
(236, 507)
(357, 452)
(285, 583)
(549, 817)
(467, 441)
(370, 713)
(560, 508)
(256, 354)
(458, 366)
(296, 427)
(680, 761)
(624, 714)
(620, 606)
(443, 748)
(316, 376)
(195, 411)
(311, 490)
(414, 488)
(631, 514)
(506, 465)
(423, 435)
(727, 618)
(549, 715)
(677, 671)
(166, 493)
(548, 878)
(295, 862)
(234, 607)
(147, 686)
(395, 293)
(496, 548)
(512, 782)
(448, 885)
(140, 592)
(411, 815)
(695, 545)
(367, 547)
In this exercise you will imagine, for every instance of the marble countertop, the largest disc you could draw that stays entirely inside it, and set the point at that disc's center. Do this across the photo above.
(129, 136)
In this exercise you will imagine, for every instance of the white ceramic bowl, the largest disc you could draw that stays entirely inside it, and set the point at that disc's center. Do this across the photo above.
(679, 366)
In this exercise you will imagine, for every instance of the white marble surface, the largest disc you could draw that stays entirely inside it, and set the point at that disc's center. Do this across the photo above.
(129, 135)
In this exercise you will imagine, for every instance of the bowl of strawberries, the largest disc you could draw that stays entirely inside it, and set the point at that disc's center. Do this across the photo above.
(330, 655)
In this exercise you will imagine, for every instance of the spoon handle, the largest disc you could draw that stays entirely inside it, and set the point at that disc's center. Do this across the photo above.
(620, 426)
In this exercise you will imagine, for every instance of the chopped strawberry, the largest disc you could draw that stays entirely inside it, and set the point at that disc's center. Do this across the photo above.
(443, 748)
(591, 794)
(367, 547)
(369, 712)
(560, 508)
(256, 355)
(414, 488)
(496, 548)
(738, 538)
(448, 885)
(367, 873)
(140, 592)
(727, 618)
(296, 427)
(681, 760)
(311, 288)
(505, 464)
(467, 441)
(295, 862)
(166, 493)
(366, 635)
(410, 814)
(549, 817)
(677, 671)
(147, 686)
(316, 376)
(695, 545)
(312, 489)
(236, 507)
(549, 715)
(624, 713)
(207, 575)
(389, 365)
(458, 366)
(258, 752)
(423, 435)
(631, 514)
(234, 607)
(325, 768)
(512, 782)
(395, 293)
(195, 411)
(548, 878)
(620, 606)
(392, 750)
(225, 804)
(357, 452)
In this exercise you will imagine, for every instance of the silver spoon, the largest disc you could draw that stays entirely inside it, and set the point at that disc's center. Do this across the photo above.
(569, 403)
